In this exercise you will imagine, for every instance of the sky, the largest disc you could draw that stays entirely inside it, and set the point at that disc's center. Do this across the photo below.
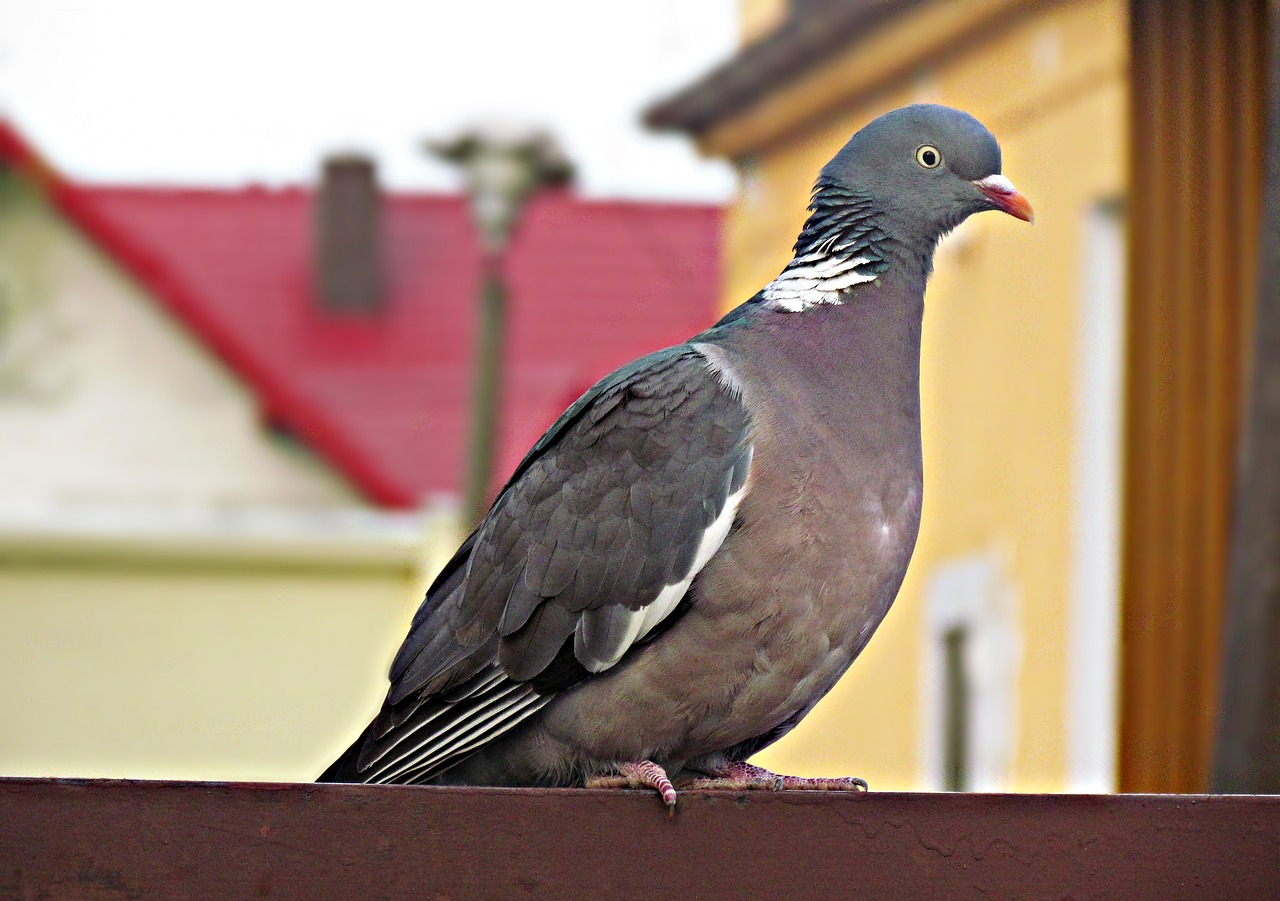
(224, 93)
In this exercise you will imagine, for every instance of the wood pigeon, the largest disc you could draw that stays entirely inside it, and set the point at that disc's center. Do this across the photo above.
(695, 552)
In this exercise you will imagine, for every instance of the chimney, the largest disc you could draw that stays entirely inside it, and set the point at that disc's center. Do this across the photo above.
(347, 250)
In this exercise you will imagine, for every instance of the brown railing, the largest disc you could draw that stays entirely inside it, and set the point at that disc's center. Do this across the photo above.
(65, 839)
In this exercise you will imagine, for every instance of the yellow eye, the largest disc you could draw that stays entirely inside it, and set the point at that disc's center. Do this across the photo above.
(928, 156)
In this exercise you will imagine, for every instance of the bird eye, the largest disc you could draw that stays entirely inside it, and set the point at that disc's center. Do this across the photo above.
(928, 156)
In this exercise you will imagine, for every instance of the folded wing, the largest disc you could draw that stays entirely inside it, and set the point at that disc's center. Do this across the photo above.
(586, 554)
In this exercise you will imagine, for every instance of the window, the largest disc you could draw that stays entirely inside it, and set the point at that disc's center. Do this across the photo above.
(972, 652)
(955, 711)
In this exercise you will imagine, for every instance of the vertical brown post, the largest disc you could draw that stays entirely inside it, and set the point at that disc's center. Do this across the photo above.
(486, 387)
(1197, 108)
(1247, 756)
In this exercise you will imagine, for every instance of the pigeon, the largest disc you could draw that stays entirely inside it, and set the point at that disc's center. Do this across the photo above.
(701, 545)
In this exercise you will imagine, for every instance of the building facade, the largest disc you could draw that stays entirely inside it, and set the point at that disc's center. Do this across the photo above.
(1032, 645)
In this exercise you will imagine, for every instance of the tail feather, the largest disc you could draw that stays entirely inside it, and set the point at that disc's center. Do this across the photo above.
(346, 768)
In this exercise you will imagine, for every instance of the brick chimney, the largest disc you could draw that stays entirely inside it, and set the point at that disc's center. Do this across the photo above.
(347, 250)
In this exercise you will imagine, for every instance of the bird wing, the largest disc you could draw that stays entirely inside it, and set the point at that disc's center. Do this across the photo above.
(586, 553)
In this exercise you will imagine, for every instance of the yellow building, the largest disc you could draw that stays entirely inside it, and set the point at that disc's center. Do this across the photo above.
(1046, 638)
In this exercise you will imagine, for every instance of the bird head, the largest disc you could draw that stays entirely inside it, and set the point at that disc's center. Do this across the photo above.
(927, 168)
(881, 204)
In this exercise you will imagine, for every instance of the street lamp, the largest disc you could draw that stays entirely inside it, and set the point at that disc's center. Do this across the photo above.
(503, 167)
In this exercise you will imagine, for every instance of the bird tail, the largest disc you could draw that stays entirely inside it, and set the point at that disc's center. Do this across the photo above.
(346, 768)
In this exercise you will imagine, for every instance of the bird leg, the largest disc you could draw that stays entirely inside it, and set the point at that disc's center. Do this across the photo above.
(645, 774)
(736, 775)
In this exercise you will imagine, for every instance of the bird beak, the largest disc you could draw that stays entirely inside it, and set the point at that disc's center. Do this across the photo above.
(1004, 196)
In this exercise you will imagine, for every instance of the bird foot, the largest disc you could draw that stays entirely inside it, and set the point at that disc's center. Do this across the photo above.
(738, 776)
(645, 774)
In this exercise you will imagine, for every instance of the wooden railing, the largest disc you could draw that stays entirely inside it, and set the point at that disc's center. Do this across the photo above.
(69, 839)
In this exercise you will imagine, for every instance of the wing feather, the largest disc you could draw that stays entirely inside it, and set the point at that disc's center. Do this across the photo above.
(586, 553)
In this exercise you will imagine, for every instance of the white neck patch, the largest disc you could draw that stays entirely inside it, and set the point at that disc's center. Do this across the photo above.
(815, 279)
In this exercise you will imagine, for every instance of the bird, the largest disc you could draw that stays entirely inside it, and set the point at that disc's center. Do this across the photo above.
(697, 550)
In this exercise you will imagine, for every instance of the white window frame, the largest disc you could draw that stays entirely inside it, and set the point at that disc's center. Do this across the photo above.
(970, 593)
(1094, 592)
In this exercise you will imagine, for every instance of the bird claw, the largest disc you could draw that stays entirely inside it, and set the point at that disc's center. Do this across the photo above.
(738, 776)
(838, 784)
(645, 774)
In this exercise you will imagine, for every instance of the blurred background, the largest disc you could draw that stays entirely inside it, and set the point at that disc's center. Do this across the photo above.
(269, 323)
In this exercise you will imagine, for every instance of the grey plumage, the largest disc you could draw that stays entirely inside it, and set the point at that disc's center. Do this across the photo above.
(701, 545)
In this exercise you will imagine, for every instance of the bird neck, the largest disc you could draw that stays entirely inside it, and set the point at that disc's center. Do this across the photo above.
(843, 245)
(854, 367)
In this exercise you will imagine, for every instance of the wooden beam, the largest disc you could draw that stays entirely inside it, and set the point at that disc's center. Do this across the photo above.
(1247, 755)
(1195, 170)
(85, 839)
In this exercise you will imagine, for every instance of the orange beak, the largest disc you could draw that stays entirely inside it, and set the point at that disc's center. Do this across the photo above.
(1004, 196)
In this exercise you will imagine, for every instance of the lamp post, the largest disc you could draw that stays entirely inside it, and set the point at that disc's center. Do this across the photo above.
(503, 167)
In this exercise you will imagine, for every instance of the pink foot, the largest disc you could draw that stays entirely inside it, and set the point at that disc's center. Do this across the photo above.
(645, 774)
(739, 776)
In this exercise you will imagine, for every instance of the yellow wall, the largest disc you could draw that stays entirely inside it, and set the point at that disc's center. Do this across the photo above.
(189, 674)
(999, 350)
(757, 18)
(199, 659)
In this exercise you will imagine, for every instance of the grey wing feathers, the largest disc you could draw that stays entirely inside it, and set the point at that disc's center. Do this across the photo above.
(590, 546)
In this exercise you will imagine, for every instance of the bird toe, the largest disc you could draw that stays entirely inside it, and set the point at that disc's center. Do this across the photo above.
(644, 774)
(739, 776)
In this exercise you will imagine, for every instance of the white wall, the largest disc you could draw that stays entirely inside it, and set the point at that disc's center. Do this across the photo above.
(106, 400)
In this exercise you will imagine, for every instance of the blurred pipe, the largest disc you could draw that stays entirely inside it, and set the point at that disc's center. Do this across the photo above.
(504, 167)
(482, 441)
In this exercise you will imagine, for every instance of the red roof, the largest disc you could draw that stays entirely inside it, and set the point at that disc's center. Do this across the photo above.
(384, 398)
